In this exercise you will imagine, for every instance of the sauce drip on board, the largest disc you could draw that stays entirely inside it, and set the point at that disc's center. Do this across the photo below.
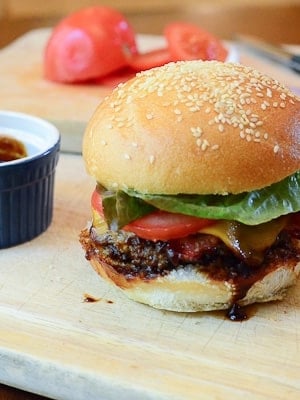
(91, 299)
(236, 313)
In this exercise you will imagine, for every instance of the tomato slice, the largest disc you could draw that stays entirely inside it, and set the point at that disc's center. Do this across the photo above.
(150, 59)
(187, 41)
(162, 225)
(96, 203)
(87, 44)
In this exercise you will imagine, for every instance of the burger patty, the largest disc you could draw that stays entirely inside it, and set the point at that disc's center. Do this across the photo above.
(133, 257)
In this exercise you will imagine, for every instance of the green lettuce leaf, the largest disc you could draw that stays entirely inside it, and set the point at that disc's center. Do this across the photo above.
(251, 208)
(120, 208)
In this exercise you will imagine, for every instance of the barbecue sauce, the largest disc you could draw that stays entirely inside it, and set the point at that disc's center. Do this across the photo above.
(90, 299)
(236, 313)
(11, 149)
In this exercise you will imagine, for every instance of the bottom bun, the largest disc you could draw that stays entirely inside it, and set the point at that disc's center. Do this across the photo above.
(188, 290)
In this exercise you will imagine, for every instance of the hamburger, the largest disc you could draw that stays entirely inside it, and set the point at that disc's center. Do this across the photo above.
(197, 197)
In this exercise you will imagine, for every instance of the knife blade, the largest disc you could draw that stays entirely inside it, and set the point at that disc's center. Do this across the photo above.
(273, 52)
(71, 135)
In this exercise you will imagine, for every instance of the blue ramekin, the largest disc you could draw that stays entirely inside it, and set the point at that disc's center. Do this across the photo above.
(27, 184)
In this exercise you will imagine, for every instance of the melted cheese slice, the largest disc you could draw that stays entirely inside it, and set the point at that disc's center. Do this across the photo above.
(248, 242)
(98, 222)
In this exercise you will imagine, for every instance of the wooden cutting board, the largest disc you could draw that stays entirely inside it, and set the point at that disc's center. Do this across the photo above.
(54, 343)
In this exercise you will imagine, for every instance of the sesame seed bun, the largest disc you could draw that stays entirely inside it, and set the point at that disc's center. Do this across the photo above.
(195, 128)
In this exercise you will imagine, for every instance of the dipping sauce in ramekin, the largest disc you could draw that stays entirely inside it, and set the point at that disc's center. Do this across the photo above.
(31, 146)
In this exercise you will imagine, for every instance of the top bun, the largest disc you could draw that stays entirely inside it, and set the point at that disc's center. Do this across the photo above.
(195, 128)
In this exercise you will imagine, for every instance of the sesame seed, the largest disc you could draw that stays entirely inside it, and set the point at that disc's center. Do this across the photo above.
(222, 118)
(103, 142)
(243, 95)
(196, 131)
(186, 88)
(276, 148)
(204, 145)
(127, 156)
(149, 116)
